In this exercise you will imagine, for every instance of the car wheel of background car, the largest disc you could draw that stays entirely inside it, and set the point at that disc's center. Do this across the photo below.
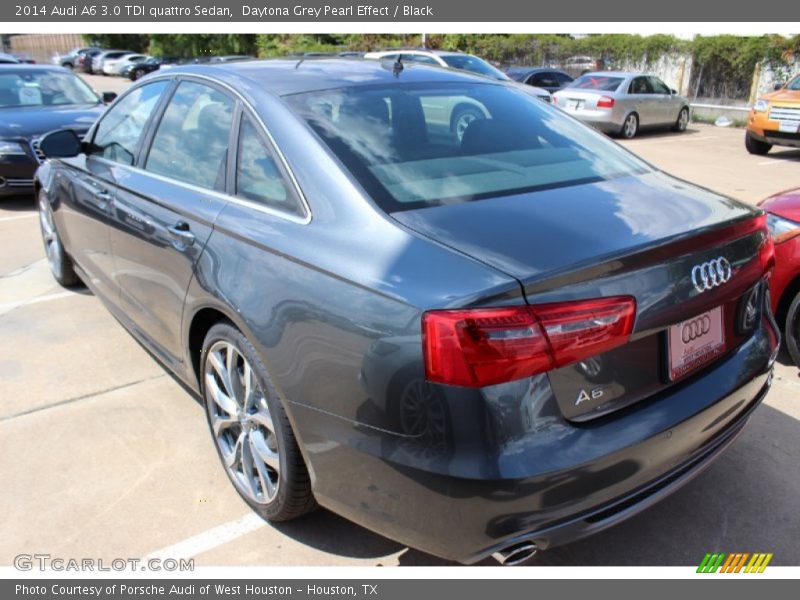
(251, 431)
(138, 74)
(792, 330)
(755, 146)
(630, 127)
(462, 117)
(58, 259)
(683, 120)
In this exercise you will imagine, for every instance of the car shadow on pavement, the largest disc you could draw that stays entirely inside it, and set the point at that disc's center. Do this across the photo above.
(25, 203)
(731, 507)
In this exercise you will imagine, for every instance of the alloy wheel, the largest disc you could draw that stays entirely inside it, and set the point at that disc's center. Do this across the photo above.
(631, 125)
(52, 245)
(683, 120)
(241, 423)
(463, 122)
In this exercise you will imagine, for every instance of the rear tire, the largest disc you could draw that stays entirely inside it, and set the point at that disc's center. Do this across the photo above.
(630, 127)
(60, 262)
(462, 117)
(755, 146)
(250, 428)
(791, 330)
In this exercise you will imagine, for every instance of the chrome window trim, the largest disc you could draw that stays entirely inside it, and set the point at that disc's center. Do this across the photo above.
(209, 192)
(240, 201)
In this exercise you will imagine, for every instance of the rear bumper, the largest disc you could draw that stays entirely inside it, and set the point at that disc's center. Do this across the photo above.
(484, 486)
(606, 120)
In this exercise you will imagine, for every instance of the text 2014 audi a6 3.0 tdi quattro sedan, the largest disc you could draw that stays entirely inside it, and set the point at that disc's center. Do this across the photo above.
(480, 344)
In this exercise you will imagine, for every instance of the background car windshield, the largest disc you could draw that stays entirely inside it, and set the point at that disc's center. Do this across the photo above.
(794, 84)
(43, 88)
(401, 144)
(597, 82)
(474, 64)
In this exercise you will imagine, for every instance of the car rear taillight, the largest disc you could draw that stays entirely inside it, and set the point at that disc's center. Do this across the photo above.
(486, 346)
(605, 102)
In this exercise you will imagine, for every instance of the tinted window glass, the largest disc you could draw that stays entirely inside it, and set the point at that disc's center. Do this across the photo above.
(24, 87)
(659, 87)
(191, 142)
(640, 85)
(399, 142)
(258, 176)
(118, 133)
(794, 84)
(544, 80)
(420, 58)
(563, 78)
(474, 64)
(603, 83)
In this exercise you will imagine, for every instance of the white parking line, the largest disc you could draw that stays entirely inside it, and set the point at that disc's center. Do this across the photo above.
(769, 163)
(14, 218)
(211, 538)
(7, 306)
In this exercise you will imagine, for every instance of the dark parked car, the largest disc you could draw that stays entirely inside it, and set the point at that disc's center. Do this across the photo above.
(83, 61)
(140, 69)
(551, 80)
(476, 345)
(36, 99)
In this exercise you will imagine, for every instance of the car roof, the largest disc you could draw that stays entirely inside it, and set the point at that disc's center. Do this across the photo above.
(6, 68)
(419, 51)
(617, 74)
(284, 77)
(532, 70)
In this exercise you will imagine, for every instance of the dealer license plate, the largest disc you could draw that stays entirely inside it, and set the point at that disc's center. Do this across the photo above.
(695, 342)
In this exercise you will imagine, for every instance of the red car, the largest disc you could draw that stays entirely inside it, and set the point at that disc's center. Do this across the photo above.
(783, 219)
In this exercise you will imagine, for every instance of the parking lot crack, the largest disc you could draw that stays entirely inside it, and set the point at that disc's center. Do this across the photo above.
(79, 398)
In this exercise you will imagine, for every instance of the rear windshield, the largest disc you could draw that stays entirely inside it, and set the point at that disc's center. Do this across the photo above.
(602, 83)
(412, 146)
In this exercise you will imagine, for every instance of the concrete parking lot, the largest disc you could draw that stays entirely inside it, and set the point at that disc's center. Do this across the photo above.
(104, 455)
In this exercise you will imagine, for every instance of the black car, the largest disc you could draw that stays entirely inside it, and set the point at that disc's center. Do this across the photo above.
(551, 80)
(140, 69)
(36, 99)
(482, 344)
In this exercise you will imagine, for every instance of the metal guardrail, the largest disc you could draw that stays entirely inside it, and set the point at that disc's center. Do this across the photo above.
(721, 107)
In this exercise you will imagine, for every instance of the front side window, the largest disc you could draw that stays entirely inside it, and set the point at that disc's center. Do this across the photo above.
(400, 143)
(659, 87)
(119, 131)
(191, 142)
(258, 176)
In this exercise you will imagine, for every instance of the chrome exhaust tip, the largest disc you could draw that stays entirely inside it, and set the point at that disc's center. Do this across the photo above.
(516, 554)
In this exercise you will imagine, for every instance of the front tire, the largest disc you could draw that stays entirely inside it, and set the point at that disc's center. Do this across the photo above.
(250, 428)
(791, 330)
(683, 121)
(60, 262)
(630, 127)
(755, 146)
(138, 74)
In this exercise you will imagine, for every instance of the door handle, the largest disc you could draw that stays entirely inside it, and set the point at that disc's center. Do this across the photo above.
(180, 233)
(103, 198)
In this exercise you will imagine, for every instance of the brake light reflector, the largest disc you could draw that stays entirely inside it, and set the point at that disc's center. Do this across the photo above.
(486, 346)
(605, 102)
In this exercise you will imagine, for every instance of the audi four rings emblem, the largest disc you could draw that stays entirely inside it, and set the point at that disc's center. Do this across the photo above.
(711, 274)
(695, 328)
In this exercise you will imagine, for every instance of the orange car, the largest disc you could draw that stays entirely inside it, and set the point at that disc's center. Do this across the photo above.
(775, 120)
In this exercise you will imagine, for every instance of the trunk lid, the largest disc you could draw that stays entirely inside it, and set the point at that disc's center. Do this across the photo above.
(634, 236)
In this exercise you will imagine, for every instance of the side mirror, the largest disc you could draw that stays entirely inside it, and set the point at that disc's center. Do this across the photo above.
(673, 91)
(109, 97)
(63, 143)
(777, 86)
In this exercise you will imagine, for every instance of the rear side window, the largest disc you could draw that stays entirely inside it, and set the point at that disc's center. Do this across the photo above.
(119, 131)
(191, 142)
(603, 83)
(258, 176)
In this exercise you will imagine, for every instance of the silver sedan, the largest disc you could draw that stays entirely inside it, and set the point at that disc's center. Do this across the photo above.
(623, 103)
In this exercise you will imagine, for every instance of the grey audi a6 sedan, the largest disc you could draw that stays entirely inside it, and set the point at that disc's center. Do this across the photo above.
(481, 344)
(621, 103)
